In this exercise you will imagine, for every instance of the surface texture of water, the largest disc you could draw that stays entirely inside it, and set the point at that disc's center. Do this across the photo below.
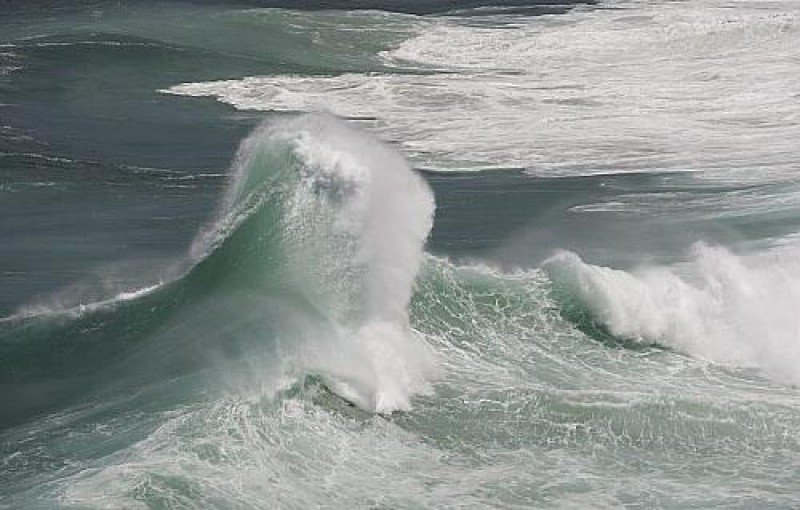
(536, 254)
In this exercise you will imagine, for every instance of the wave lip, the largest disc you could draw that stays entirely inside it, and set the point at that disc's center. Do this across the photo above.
(737, 310)
(355, 227)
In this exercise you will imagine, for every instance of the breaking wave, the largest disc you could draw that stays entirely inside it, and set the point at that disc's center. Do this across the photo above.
(308, 266)
(721, 307)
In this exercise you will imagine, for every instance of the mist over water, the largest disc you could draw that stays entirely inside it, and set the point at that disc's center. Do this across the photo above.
(509, 255)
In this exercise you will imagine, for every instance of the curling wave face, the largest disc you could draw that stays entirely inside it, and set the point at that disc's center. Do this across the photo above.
(352, 221)
(313, 253)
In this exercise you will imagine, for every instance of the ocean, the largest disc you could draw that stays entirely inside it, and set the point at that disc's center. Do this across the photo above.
(399, 254)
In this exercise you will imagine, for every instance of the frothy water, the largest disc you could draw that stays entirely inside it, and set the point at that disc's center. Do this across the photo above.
(637, 87)
(729, 309)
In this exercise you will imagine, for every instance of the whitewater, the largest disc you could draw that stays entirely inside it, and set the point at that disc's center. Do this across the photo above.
(501, 255)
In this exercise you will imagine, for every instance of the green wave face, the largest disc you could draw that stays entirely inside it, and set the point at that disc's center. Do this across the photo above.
(297, 258)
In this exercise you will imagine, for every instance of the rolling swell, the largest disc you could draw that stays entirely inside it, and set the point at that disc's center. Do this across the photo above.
(307, 268)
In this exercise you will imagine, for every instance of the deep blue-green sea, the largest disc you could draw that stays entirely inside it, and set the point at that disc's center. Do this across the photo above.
(400, 254)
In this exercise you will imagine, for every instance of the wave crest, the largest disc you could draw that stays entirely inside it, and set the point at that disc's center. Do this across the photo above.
(721, 307)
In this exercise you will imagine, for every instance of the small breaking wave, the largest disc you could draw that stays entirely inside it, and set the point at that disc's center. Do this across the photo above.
(721, 307)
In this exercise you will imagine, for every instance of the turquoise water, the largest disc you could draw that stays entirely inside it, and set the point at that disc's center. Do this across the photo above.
(434, 256)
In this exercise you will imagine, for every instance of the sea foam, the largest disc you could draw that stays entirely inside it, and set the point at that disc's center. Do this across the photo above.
(726, 308)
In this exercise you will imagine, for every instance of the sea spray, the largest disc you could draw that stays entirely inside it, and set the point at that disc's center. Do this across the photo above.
(353, 220)
(737, 310)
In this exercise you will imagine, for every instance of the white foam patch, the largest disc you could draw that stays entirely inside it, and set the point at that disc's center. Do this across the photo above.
(242, 454)
(720, 307)
(640, 87)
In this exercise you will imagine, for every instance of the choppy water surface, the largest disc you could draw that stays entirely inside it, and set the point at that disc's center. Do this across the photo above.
(473, 256)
